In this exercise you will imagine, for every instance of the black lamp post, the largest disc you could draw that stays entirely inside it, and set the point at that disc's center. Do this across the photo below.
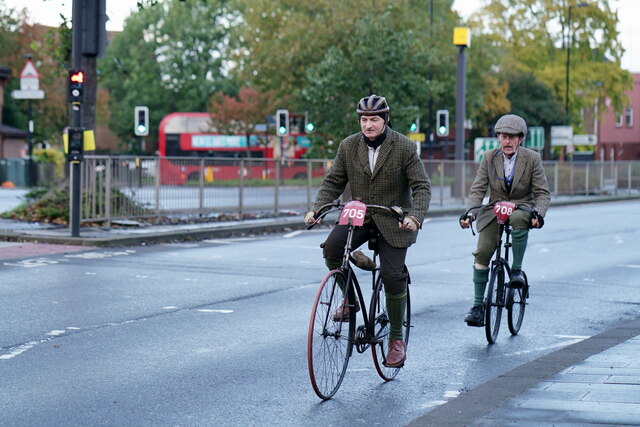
(569, 43)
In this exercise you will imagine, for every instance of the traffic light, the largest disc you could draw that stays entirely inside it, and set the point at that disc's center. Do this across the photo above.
(308, 126)
(75, 144)
(282, 122)
(141, 119)
(76, 86)
(442, 123)
(415, 125)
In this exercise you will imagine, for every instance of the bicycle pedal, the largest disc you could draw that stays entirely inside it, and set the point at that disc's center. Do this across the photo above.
(401, 365)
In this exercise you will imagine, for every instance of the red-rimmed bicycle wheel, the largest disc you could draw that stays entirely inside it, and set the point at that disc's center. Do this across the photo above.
(329, 341)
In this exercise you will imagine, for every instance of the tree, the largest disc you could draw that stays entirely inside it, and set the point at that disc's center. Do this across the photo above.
(170, 57)
(48, 47)
(326, 55)
(240, 115)
(526, 32)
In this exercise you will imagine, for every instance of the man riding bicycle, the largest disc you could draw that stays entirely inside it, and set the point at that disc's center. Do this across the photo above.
(508, 173)
(382, 167)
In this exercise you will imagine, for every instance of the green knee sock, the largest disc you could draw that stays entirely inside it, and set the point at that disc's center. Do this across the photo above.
(480, 279)
(519, 245)
(396, 306)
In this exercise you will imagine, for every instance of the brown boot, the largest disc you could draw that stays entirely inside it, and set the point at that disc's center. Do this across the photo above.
(342, 312)
(397, 354)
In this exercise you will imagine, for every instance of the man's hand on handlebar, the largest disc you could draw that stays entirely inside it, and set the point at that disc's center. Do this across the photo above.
(309, 217)
(466, 219)
(409, 223)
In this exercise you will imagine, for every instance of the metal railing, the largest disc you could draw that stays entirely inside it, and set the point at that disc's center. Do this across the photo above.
(128, 187)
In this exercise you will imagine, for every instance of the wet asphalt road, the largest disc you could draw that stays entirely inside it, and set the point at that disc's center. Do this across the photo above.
(214, 332)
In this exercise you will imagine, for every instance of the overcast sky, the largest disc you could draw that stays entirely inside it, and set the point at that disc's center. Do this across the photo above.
(47, 12)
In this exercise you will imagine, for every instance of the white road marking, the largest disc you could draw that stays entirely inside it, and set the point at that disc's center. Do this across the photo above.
(55, 332)
(169, 307)
(16, 351)
(618, 240)
(433, 403)
(631, 266)
(206, 310)
(292, 234)
(550, 347)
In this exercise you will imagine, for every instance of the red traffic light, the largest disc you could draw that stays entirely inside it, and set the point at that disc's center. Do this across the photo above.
(76, 86)
(77, 77)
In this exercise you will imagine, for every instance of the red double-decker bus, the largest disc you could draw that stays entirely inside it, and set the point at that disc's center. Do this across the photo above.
(191, 135)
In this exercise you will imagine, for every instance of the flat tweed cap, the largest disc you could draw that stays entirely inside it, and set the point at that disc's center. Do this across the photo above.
(511, 124)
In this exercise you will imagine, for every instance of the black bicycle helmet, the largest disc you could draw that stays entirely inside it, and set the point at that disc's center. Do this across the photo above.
(512, 125)
(374, 105)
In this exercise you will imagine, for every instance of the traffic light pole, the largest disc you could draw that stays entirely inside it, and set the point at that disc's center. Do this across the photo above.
(460, 116)
(76, 119)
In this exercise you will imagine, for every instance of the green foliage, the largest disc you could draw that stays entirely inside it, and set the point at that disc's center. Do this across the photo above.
(323, 56)
(50, 155)
(170, 57)
(534, 100)
(50, 207)
(534, 36)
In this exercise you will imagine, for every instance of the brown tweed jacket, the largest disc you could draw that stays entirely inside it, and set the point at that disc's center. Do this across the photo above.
(529, 186)
(398, 179)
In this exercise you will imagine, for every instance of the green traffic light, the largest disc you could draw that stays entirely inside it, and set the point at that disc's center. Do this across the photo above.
(282, 130)
(413, 127)
(442, 130)
(142, 128)
(310, 127)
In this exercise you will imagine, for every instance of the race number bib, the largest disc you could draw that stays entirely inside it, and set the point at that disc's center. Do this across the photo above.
(353, 212)
(503, 211)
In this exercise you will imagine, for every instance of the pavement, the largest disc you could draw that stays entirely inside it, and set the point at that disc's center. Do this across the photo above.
(592, 382)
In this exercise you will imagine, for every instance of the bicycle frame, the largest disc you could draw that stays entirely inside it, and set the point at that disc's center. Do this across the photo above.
(363, 339)
(498, 259)
(332, 335)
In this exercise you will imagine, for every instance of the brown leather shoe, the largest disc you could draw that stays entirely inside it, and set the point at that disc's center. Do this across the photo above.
(342, 312)
(397, 354)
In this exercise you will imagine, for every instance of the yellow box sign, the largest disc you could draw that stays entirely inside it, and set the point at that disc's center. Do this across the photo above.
(419, 137)
(88, 141)
(461, 36)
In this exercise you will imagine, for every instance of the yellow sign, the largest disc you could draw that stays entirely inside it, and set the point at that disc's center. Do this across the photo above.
(461, 36)
(418, 136)
(88, 141)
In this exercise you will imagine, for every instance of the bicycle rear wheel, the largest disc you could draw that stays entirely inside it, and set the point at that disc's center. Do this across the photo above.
(494, 302)
(329, 341)
(516, 303)
(381, 329)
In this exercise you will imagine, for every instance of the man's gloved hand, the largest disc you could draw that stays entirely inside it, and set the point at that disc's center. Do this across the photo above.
(466, 220)
(409, 223)
(309, 217)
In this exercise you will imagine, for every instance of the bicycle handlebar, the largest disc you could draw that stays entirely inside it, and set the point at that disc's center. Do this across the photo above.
(471, 216)
(325, 209)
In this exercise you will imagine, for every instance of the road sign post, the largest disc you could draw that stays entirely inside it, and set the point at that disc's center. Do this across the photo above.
(29, 90)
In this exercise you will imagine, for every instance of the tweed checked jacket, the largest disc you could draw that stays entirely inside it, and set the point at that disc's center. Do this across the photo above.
(529, 186)
(398, 179)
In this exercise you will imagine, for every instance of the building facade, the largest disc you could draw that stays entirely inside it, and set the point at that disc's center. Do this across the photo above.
(619, 134)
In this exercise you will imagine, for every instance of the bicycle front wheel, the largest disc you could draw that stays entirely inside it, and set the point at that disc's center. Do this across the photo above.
(329, 341)
(516, 303)
(494, 302)
(379, 319)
